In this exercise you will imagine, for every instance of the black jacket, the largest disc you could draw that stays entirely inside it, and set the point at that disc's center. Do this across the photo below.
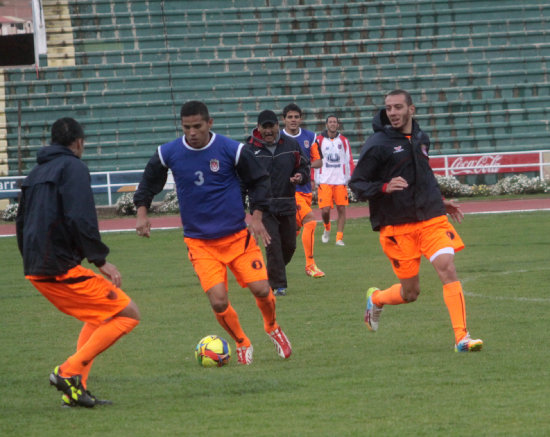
(56, 221)
(387, 154)
(287, 160)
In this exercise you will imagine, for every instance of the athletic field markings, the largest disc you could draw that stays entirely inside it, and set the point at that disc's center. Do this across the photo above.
(511, 298)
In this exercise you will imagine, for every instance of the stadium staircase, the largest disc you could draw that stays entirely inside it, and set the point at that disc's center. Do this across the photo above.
(478, 73)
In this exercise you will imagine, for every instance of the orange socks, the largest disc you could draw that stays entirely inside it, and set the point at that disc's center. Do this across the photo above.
(327, 226)
(85, 333)
(452, 295)
(389, 296)
(229, 320)
(454, 299)
(308, 240)
(267, 307)
(99, 339)
(339, 236)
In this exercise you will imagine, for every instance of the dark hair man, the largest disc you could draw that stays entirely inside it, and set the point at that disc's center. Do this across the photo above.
(56, 229)
(207, 169)
(406, 206)
(292, 116)
(283, 159)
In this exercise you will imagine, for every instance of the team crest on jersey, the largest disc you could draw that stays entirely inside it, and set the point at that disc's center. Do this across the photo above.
(214, 165)
(306, 144)
(398, 149)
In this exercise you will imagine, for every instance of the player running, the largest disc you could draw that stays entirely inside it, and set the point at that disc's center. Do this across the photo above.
(56, 229)
(206, 167)
(406, 206)
(292, 116)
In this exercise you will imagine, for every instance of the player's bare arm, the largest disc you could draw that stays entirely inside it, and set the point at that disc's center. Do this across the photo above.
(143, 225)
(257, 229)
(110, 271)
(453, 209)
(316, 163)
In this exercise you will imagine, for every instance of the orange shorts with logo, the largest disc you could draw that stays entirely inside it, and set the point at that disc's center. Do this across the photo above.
(330, 195)
(303, 207)
(405, 244)
(83, 294)
(239, 252)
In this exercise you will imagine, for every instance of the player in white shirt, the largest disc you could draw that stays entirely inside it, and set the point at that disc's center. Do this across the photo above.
(332, 178)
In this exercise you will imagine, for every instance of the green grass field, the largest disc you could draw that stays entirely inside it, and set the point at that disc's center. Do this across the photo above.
(341, 379)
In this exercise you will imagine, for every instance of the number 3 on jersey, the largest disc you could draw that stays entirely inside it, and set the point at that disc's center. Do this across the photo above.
(200, 178)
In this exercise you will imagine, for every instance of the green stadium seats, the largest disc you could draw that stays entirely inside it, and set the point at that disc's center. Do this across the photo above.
(477, 73)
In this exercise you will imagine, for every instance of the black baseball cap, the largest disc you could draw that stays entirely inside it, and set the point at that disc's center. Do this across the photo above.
(267, 116)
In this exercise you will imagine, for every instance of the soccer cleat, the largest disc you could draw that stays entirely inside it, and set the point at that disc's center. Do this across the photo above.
(340, 243)
(279, 339)
(468, 345)
(68, 402)
(314, 271)
(281, 291)
(98, 401)
(72, 387)
(244, 354)
(372, 311)
(326, 236)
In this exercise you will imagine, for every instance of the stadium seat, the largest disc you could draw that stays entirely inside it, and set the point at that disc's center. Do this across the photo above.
(478, 74)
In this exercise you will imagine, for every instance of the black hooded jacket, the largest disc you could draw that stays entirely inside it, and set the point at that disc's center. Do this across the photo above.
(387, 154)
(56, 222)
(287, 160)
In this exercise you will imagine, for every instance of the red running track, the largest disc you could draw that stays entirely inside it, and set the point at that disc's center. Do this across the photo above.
(470, 207)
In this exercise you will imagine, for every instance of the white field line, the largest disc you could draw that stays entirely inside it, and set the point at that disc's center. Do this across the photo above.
(510, 298)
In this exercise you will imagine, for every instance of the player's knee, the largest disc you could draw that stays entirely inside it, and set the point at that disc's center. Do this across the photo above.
(259, 288)
(410, 295)
(308, 218)
(131, 311)
(219, 306)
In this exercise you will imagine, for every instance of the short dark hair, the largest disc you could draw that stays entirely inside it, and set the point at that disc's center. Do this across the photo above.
(332, 115)
(66, 131)
(408, 98)
(194, 107)
(291, 107)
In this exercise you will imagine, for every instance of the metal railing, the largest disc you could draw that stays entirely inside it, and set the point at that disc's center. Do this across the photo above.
(108, 184)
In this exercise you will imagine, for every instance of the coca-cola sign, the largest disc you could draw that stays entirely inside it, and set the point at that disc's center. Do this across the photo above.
(454, 165)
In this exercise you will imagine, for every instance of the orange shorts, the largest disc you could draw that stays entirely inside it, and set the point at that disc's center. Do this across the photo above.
(330, 195)
(405, 244)
(239, 252)
(303, 207)
(83, 294)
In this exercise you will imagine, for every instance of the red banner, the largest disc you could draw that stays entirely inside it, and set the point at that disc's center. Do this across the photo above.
(455, 165)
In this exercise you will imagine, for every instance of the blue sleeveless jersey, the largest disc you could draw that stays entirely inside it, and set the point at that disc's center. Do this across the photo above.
(207, 185)
(305, 138)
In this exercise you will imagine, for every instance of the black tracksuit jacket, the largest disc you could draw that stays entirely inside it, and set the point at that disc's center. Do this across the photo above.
(387, 154)
(287, 160)
(56, 221)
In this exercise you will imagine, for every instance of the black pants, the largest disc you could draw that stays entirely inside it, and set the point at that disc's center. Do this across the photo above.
(282, 229)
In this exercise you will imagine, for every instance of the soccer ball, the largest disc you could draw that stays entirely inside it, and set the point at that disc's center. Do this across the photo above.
(212, 351)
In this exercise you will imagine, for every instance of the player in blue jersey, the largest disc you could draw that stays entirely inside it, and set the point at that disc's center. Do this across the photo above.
(292, 116)
(207, 167)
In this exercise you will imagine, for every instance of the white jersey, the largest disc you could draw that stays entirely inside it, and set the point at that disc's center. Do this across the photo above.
(337, 160)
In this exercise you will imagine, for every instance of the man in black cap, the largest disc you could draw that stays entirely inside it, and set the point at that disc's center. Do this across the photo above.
(287, 166)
